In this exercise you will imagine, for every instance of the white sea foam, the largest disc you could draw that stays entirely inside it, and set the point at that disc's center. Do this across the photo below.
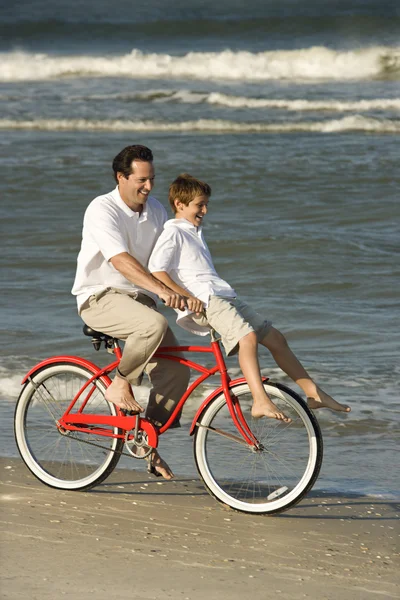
(10, 385)
(302, 104)
(231, 101)
(349, 123)
(313, 63)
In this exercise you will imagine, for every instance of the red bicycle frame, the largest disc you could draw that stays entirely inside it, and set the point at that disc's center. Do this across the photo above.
(75, 421)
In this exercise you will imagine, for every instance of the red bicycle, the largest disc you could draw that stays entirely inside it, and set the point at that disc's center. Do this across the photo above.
(71, 438)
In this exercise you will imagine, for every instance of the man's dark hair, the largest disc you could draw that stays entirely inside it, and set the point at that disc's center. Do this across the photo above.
(122, 163)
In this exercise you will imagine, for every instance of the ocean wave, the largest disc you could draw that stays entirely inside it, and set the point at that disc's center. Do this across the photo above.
(231, 101)
(314, 63)
(349, 123)
(302, 104)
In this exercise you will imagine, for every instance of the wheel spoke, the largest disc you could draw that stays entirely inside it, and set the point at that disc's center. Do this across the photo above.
(267, 479)
(226, 434)
(62, 459)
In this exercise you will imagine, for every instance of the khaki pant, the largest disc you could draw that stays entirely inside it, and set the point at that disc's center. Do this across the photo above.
(133, 318)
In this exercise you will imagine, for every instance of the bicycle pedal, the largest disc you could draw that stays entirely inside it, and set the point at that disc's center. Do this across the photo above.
(277, 493)
(152, 470)
(129, 413)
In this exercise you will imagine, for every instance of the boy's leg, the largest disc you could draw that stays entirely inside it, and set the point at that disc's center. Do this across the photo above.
(248, 360)
(238, 335)
(276, 343)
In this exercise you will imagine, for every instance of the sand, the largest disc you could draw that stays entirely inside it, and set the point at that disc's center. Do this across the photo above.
(136, 537)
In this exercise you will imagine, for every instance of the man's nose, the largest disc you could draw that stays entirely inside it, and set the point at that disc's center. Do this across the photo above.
(148, 184)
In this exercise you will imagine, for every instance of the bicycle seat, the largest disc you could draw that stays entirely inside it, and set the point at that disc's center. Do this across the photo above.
(98, 337)
(94, 334)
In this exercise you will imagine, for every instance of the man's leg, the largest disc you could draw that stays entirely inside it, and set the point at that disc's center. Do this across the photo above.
(139, 325)
(289, 363)
(248, 360)
(169, 380)
(143, 330)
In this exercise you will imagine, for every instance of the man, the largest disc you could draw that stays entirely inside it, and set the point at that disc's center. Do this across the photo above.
(116, 294)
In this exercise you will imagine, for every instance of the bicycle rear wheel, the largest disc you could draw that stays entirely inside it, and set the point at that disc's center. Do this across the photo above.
(265, 481)
(69, 460)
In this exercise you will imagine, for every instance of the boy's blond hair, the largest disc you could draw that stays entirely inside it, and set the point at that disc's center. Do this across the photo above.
(185, 188)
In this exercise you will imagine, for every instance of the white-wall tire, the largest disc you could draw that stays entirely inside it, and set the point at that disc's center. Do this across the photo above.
(63, 461)
(265, 482)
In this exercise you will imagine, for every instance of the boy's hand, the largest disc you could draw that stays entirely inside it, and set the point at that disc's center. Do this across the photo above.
(194, 304)
(172, 299)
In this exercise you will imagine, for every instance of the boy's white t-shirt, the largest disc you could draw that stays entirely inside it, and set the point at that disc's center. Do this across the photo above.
(110, 227)
(182, 252)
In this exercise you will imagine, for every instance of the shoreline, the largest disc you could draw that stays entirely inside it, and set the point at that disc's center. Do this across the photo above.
(135, 535)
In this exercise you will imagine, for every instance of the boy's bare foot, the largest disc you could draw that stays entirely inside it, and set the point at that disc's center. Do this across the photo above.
(158, 466)
(120, 394)
(323, 400)
(266, 408)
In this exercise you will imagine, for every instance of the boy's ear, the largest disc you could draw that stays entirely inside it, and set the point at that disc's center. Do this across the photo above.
(177, 202)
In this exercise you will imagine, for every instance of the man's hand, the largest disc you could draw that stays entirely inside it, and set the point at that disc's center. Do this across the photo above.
(172, 299)
(194, 304)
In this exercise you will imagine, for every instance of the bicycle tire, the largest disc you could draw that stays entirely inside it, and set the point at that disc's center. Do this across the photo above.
(69, 461)
(266, 481)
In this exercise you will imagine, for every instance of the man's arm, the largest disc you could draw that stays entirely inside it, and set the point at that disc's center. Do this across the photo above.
(193, 304)
(132, 270)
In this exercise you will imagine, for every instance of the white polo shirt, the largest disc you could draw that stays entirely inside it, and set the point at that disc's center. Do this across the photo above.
(182, 252)
(109, 228)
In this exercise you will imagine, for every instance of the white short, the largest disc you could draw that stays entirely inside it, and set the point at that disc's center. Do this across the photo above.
(233, 318)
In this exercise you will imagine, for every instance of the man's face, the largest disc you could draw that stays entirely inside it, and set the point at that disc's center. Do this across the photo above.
(136, 188)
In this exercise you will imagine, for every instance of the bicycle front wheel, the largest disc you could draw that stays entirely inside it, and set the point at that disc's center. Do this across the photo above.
(267, 480)
(69, 460)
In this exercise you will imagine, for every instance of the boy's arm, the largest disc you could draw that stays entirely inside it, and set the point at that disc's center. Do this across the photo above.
(193, 304)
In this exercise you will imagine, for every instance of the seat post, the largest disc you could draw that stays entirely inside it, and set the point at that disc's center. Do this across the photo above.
(117, 350)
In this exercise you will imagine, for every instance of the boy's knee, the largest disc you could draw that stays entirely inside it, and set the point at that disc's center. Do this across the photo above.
(249, 338)
(274, 340)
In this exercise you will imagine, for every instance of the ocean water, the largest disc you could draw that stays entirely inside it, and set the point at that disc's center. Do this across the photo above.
(291, 112)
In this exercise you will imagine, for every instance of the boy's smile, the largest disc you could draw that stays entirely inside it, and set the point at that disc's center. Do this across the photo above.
(194, 212)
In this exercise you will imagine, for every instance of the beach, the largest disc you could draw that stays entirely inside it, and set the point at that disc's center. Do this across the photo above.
(134, 536)
(291, 113)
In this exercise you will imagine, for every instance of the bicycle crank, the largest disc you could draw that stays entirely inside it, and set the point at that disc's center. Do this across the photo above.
(138, 446)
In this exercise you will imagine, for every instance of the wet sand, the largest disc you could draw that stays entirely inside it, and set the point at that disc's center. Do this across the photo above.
(135, 536)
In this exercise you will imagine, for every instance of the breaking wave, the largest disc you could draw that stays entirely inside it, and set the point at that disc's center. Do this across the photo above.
(231, 101)
(349, 123)
(313, 63)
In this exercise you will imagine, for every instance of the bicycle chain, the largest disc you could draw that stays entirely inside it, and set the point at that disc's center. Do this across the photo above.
(121, 453)
(37, 388)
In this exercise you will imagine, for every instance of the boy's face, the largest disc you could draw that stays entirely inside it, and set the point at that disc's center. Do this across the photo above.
(194, 211)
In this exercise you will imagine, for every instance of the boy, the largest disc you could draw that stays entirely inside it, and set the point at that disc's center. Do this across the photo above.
(181, 260)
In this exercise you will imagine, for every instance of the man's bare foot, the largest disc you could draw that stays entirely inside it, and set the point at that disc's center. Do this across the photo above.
(158, 466)
(120, 394)
(323, 400)
(266, 408)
